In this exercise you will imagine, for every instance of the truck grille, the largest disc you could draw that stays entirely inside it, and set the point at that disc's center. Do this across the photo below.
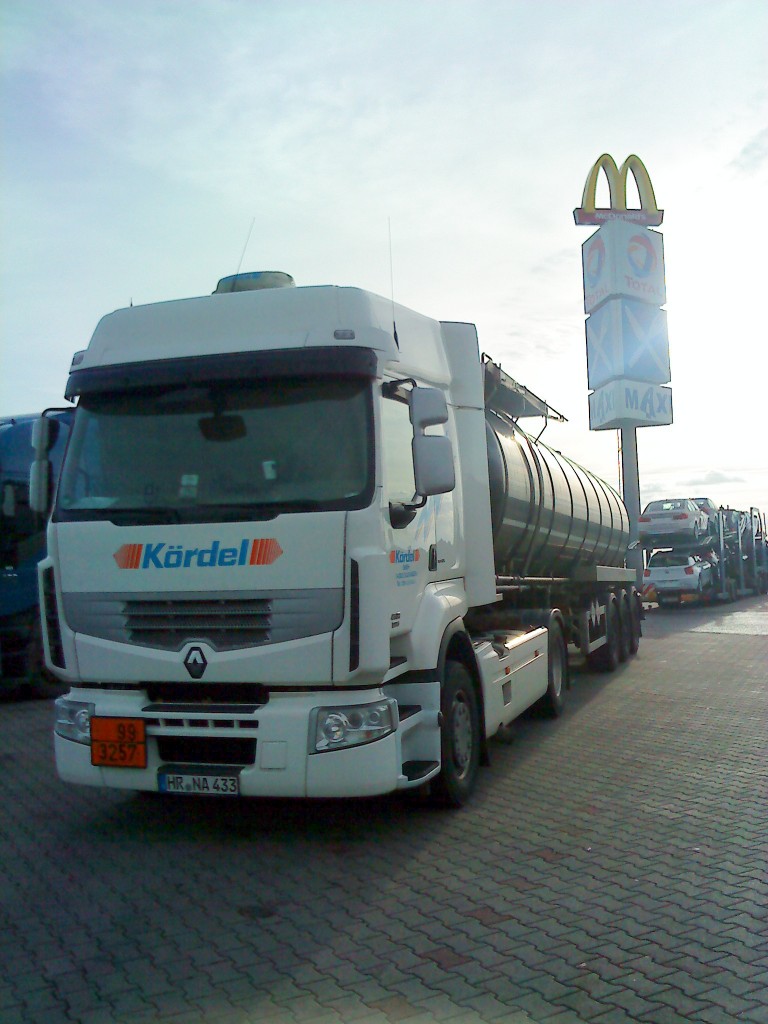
(206, 750)
(50, 614)
(226, 621)
(203, 732)
(226, 625)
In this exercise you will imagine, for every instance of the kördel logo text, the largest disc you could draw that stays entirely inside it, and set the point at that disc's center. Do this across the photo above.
(162, 555)
(175, 556)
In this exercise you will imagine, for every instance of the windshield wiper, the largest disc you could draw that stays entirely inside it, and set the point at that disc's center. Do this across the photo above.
(256, 511)
(123, 516)
(229, 513)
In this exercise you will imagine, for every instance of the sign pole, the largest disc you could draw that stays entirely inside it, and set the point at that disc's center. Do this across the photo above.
(630, 475)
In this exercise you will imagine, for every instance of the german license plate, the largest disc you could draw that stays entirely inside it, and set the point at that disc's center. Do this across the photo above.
(118, 742)
(197, 783)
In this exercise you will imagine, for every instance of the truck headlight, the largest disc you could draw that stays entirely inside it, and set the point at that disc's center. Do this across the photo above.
(73, 719)
(334, 728)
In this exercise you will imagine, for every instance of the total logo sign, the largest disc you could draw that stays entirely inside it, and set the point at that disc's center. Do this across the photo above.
(641, 256)
(594, 258)
(256, 551)
(621, 261)
(643, 277)
(596, 284)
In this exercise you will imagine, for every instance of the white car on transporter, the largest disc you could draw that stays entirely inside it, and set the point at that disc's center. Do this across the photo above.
(678, 518)
(674, 575)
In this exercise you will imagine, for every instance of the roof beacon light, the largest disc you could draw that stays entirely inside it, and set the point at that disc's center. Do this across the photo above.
(254, 281)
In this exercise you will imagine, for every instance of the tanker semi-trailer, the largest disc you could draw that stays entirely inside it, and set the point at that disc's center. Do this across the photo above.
(301, 547)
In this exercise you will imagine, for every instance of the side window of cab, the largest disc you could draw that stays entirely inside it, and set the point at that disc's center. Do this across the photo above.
(397, 459)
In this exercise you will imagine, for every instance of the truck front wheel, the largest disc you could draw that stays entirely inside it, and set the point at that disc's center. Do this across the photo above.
(459, 738)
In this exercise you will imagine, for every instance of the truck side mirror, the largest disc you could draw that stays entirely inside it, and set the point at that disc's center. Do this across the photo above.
(432, 453)
(427, 408)
(433, 464)
(39, 485)
(41, 436)
(433, 471)
(9, 501)
(40, 470)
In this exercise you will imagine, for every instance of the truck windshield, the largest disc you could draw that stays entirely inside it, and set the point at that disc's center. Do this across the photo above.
(220, 451)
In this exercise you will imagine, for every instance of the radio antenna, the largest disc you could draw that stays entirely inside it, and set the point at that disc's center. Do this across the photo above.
(392, 282)
(242, 254)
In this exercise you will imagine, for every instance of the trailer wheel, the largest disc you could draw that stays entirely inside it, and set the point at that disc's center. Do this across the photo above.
(635, 622)
(606, 658)
(459, 738)
(553, 701)
(625, 626)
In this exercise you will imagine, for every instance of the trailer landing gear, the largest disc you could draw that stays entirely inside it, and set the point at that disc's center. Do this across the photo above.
(607, 657)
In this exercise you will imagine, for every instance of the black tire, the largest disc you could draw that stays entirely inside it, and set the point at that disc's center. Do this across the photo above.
(625, 627)
(459, 738)
(635, 622)
(553, 701)
(606, 658)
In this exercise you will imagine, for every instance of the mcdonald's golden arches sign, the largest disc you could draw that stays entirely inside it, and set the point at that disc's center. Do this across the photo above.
(648, 214)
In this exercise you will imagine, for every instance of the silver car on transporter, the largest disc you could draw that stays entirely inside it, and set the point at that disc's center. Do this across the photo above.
(673, 518)
(674, 575)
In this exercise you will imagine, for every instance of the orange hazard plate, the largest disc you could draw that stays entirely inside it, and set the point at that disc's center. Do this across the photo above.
(118, 742)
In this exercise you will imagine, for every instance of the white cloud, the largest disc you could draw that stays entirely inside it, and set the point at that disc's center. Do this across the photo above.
(143, 138)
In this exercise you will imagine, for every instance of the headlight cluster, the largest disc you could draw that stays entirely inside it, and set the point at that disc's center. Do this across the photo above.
(73, 719)
(334, 728)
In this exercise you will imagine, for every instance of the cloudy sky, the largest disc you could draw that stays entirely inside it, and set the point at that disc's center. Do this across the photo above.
(143, 140)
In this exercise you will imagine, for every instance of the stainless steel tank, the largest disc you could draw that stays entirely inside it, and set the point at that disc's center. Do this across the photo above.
(550, 516)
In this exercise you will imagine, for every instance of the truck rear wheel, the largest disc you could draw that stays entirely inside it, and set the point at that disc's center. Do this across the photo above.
(552, 702)
(459, 738)
(625, 626)
(635, 622)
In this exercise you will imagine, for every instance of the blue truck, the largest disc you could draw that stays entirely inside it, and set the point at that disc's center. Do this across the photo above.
(22, 546)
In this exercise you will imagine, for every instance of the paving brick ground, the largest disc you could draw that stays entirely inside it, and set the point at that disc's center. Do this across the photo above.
(612, 868)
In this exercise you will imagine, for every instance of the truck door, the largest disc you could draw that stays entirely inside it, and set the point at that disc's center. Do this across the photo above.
(409, 539)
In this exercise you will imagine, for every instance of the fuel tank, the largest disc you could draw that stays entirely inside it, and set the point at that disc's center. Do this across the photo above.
(550, 516)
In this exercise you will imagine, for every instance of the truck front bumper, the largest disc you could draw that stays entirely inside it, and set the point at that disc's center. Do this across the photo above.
(279, 736)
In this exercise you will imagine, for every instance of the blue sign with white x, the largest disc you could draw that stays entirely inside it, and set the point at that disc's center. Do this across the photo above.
(626, 338)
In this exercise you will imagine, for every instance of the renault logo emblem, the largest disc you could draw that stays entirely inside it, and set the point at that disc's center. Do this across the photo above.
(195, 662)
(648, 214)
